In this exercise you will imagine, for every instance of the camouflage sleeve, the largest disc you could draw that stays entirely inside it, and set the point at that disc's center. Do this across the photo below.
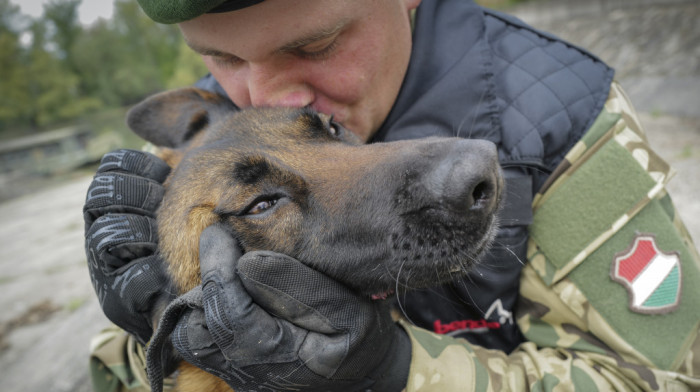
(609, 298)
(118, 363)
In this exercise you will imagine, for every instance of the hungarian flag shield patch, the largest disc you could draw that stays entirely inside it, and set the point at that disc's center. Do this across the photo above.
(652, 277)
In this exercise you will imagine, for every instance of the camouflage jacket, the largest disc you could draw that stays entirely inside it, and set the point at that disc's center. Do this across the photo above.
(118, 363)
(608, 298)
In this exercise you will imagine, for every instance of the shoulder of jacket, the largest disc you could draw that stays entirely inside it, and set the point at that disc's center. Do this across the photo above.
(550, 91)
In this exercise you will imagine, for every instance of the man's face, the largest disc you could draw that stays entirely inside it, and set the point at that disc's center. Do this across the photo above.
(345, 58)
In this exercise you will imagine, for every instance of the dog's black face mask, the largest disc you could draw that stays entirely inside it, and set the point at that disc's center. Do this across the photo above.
(377, 217)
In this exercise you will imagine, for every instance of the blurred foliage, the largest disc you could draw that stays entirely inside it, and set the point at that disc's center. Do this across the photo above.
(57, 71)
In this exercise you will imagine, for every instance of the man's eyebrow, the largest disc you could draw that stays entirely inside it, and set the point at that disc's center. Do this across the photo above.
(206, 51)
(288, 47)
(313, 37)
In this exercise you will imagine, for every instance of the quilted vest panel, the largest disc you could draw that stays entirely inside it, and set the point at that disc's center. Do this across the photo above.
(476, 73)
(549, 91)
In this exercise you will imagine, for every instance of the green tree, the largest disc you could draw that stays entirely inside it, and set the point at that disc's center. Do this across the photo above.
(124, 60)
(61, 16)
(98, 54)
(55, 70)
(39, 87)
(52, 84)
(14, 100)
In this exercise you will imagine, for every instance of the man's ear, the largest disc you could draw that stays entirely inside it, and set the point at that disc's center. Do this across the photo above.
(172, 118)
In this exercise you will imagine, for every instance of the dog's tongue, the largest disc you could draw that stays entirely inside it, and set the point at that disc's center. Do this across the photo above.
(380, 296)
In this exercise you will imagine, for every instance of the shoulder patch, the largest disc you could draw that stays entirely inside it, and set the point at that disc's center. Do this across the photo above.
(652, 277)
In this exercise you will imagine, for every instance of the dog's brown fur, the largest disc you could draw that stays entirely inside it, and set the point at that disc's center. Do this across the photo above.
(375, 217)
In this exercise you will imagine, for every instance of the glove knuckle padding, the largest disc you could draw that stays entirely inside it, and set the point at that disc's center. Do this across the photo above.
(115, 240)
(137, 283)
(139, 163)
(121, 193)
(126, 181)
(128, 294)
(193, 340)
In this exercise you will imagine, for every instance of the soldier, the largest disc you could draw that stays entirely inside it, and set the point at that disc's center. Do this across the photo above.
(589, 284)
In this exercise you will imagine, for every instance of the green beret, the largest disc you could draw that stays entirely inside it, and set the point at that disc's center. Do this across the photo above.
(176, 11)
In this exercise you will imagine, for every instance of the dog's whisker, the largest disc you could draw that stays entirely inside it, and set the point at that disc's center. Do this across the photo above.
(536, 168)
(507, 248)
(396, 278)
(398, 297)
(471, 128)
(469, 294)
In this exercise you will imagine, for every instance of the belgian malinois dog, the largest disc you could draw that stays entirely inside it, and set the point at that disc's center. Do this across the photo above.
(376, 217)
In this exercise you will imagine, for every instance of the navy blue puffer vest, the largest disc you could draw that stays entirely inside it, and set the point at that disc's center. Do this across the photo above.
(479, 74)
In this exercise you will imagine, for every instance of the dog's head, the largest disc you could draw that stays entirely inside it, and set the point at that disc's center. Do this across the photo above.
(377, 216)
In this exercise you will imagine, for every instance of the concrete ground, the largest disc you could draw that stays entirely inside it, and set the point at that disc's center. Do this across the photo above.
(49, 307)
(50, 310)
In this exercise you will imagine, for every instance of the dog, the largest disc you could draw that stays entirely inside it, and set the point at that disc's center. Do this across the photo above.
(376, 217)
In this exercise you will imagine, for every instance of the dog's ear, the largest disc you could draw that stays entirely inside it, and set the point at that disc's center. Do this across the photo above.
(172, 118)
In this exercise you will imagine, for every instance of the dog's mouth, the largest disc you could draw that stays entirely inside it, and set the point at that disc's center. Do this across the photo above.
(383, 295)
(437, 246)
(425, 255)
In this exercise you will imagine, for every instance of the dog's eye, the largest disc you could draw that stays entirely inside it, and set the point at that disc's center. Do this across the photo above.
(262, 206)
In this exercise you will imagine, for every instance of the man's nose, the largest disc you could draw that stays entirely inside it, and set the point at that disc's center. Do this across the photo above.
(269, 85)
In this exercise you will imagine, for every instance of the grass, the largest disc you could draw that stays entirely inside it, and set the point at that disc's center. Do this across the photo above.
(656, 113)
(74, 304)
(686, 152)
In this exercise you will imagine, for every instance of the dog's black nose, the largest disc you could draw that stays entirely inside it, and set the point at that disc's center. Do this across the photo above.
(467, 178)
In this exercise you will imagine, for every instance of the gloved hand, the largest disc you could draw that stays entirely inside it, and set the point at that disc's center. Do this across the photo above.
(270, 323)
(121, 240)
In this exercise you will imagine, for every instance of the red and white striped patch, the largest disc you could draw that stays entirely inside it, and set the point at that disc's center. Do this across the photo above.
(652, 277)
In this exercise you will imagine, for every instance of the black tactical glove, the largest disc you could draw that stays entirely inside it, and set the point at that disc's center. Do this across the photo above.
(304, 332)
(121, 240)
